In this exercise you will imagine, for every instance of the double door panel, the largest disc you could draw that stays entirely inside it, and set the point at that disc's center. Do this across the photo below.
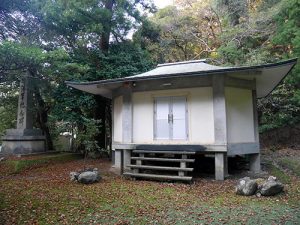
(170, 118)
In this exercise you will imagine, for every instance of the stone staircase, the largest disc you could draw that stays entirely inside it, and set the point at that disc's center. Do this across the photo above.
(161, 165)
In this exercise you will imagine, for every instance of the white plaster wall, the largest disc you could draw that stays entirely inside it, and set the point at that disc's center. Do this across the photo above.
(143, 105)
(201, 118)
(200, 115)
(239, 108)
(117, 119)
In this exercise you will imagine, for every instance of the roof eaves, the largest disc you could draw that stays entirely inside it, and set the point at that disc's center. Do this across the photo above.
(291, 61)
(207, 72)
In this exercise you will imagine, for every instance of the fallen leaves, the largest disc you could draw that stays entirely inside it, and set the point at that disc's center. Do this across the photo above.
(46, 196)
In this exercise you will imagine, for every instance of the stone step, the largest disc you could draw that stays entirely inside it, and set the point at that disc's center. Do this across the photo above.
(158, 177)
(162, 159)
(164, 152)
(160, 168)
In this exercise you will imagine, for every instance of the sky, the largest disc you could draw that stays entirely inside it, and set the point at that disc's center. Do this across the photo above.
(162, 3)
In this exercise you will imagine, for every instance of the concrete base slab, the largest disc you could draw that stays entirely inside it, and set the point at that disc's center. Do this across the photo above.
(23, 141)
(23, 132)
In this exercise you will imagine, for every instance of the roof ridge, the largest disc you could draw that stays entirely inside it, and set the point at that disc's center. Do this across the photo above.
(182, 62)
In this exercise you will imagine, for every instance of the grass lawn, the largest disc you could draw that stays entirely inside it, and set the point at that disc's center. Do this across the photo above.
(293, 164)
(44, 195)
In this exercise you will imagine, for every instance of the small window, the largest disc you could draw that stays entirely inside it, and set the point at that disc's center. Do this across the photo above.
(170, 122)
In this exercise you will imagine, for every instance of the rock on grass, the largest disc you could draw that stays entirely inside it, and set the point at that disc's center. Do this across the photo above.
(246, 187)
(86, 177)
(270, 187)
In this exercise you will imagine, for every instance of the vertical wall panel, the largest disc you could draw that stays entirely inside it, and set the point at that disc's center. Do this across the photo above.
(240, 123)
(143, 107)
(201, 116)
(117, 119)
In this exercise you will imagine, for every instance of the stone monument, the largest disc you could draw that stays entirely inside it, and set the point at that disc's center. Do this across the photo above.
(25, 139)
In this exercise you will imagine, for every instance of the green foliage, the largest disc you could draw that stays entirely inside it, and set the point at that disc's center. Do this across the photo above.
(8, 117)
(66, 43)
(231, 53)
(282, 108)
(8, 107)
(287, 37)
(236, 10)
(233, 33)
(15, 58)
(125, 59)
(82, 40)
(186, 32)
(279, 109)
(87, 136)
(269, 33)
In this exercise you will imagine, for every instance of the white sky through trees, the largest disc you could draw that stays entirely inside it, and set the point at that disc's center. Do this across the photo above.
(162, 3)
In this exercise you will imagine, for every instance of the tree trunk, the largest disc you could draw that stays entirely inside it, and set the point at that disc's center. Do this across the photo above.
(101, 108)
(100, 114)
(104, 39)
(42, 119)
(42, 112)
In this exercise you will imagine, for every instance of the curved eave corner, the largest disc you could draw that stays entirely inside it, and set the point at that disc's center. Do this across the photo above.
(92, 88)
(272, 75)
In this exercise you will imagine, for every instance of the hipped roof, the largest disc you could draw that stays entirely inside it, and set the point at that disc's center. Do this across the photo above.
(267, 76)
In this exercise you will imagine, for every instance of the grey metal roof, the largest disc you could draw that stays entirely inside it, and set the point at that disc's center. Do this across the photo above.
(179, 68)
(267, 76)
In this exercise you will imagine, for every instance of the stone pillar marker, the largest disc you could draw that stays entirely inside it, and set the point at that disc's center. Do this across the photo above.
(25, 139)
(24, 120)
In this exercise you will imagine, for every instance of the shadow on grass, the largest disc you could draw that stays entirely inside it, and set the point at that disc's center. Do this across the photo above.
(17, 166)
